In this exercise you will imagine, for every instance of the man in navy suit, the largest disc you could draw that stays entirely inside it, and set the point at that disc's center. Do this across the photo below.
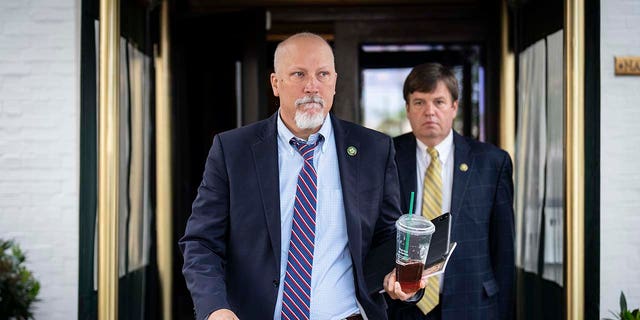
(237, 262)
(477, 189)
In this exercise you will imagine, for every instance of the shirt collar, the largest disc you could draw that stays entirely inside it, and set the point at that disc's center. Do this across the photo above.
(285, 135)
(444, 147)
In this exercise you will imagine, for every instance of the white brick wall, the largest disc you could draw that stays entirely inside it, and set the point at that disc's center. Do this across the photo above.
(39, 149)
(620, 172)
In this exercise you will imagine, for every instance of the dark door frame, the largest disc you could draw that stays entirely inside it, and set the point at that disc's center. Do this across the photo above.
(469, 22)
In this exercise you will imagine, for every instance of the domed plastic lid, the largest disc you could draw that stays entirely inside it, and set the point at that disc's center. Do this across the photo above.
(415, 224)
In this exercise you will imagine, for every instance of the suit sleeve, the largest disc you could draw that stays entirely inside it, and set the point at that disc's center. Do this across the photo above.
(203, 245)
(390, 207)
(502, 239)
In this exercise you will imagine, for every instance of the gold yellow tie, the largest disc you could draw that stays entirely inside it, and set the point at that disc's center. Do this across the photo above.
(431, 208)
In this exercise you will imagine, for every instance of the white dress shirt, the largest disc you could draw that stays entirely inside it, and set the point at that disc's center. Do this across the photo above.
(423, 159)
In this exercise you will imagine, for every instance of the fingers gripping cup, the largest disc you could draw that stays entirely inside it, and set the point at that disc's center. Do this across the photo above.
(412, 245)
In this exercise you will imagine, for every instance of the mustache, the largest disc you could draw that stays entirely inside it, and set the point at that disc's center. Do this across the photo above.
(310, 99)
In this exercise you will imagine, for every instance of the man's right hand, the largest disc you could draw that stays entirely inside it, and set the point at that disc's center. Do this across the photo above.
(393, 289)
(223, 314)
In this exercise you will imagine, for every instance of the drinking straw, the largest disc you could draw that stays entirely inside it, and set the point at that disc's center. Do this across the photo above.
(411, 204)
(406, 242)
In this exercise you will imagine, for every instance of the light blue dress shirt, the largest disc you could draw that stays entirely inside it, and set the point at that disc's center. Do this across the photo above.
(332, 285)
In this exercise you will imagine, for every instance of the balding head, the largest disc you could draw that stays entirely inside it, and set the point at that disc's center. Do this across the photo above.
(298, 38)
(304, 79)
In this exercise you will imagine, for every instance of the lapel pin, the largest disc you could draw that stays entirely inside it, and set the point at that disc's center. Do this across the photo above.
(352, 151)
(464, 167)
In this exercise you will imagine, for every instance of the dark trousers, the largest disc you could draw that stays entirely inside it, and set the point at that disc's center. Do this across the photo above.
(405, 311)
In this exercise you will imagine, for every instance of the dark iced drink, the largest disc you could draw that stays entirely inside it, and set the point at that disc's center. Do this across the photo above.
(409, 274)
(412, 245)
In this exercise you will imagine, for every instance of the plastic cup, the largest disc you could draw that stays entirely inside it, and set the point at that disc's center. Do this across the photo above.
(412, 245)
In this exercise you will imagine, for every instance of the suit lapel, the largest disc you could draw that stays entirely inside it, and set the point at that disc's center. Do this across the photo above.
(406, 161)
(265, 155)
(348, 166)
(462, 155)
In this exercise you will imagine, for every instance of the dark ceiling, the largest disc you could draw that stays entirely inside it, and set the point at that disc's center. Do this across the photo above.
(207, 6)
(320, 15)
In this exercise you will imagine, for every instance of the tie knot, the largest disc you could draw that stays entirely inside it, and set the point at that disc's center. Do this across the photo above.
(433, 153)
(303, 147)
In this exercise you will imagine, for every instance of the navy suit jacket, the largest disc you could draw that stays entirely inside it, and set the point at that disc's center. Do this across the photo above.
(479, 280)
(231, 245)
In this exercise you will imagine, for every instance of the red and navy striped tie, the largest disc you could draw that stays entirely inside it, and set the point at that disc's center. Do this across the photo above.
(296, 296)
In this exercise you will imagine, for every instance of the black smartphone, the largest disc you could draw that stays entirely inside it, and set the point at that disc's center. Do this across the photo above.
(439, 246)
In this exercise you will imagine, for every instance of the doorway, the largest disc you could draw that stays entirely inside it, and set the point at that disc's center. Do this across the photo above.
(211, 96)
(384, 68)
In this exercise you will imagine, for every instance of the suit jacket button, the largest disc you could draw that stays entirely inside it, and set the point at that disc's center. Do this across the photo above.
(276, 283)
